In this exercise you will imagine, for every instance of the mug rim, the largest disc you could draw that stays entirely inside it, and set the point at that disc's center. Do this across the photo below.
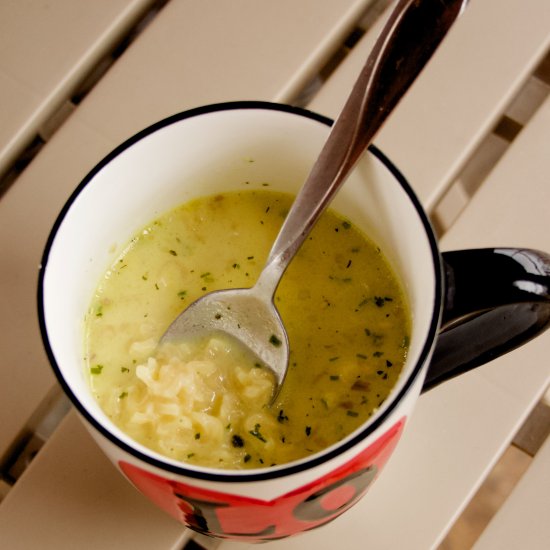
(211, 474)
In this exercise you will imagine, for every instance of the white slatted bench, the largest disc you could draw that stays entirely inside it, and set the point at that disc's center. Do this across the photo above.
(459, 429)
(48, 50)
(522, 521)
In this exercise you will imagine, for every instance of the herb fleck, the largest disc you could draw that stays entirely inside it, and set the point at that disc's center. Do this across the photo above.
(237, 441)
(96, 369)
(274, 341)
(282, 417)
(256, 433)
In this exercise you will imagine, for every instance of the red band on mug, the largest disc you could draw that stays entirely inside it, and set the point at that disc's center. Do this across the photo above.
(238, 517)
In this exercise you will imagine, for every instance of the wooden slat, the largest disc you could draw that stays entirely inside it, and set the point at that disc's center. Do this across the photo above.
(522, 521)
(47, 49)
(190, 54)
(461, 94)
(74, 497)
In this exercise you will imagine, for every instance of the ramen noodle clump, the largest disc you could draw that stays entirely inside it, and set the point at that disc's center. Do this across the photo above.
(208, 402)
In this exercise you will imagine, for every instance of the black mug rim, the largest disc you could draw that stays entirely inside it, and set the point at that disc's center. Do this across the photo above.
(282, 470)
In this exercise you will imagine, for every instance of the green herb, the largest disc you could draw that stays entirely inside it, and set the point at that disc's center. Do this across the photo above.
(99, 311)
(218, 316)
(190, 455)
(340, 279)
(144, 277)
(182, 294)
(332, 359)
(124, 369)
(274, 341)
(335, 377)
(197, 435)
(96, 369)
(173, 252)
(123, 395)
(256, 433)
(352, 413)
(282, 417)
(361, 355)
(308, 430)
(346, 224)
(247, 458)
(237, 441)
(378, 354)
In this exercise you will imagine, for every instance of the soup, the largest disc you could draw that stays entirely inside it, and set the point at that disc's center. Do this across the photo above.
(208, 402)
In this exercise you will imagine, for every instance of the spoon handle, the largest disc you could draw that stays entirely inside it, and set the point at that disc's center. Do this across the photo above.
(411, 35)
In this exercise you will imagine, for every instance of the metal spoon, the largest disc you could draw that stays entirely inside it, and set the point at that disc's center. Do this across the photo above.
(410, 36)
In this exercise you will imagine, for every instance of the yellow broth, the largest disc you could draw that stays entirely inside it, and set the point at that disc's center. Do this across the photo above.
(206, 402)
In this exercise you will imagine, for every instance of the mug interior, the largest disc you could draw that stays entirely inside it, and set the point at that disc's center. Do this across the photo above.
(210, 150)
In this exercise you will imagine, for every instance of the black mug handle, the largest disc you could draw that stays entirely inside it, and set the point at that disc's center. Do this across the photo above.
(495, 299)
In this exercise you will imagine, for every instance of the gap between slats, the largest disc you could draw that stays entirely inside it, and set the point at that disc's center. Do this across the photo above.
(50, 126)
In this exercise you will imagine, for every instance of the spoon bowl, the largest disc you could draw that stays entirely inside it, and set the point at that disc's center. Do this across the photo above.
(243, 314)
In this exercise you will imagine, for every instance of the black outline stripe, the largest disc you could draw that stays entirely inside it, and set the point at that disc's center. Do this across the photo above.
(244, 475)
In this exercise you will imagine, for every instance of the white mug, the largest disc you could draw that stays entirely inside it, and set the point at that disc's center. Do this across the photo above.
(455, 298)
